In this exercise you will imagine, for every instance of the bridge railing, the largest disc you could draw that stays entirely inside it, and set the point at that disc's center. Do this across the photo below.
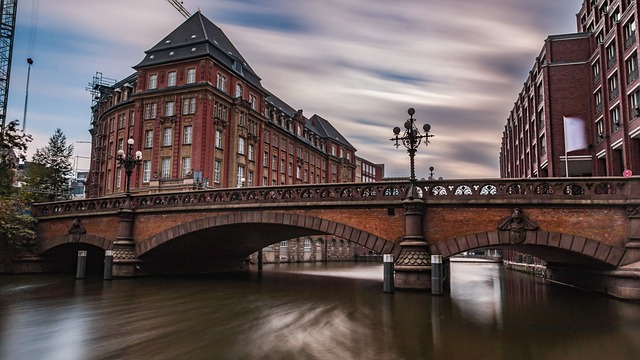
(472, 191)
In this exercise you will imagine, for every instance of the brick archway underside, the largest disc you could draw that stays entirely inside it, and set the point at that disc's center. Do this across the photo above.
(90, 239)
(274, 221)
(550, 246)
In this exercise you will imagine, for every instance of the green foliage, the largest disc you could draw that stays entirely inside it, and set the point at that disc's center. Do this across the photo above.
(13, 146)
(50, 170)
(17, 228)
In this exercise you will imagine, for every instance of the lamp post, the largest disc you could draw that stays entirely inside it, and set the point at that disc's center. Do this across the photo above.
(411, 139)
(129, 161)
(431, 168)
(125, 259)
(413, 265)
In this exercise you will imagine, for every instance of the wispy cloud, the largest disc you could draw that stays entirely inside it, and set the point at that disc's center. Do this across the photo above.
(358, 63)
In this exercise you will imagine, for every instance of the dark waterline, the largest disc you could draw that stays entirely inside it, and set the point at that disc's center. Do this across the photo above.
(311, 311)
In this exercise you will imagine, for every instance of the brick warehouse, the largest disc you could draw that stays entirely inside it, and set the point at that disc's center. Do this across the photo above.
(201, 118)
(591, 75)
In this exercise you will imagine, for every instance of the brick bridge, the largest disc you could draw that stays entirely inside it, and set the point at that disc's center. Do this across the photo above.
(588, 229)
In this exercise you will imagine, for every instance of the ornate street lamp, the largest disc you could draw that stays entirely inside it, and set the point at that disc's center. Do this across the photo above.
(411, 139)
(129, 162)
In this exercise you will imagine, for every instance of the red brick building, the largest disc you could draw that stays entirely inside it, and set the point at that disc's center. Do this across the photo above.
(591, 75)
(198, 113)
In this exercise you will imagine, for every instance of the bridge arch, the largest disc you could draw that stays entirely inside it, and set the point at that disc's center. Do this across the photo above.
(95, 240)
(553, 247)
(305, 225)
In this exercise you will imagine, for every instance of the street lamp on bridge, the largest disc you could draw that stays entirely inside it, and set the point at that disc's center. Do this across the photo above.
(411, 139)
(129, 161)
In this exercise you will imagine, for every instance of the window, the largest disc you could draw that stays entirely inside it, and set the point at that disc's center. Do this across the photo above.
(148, 138)
(613, 86)
(597, 97)
(118, 178)
(541, 119)
(150, 111)
(600, 37)
(216, 171)
(284, 243)
(240, 178)
(595, 68)
(540, 93)
(219, 139)
(333, 150)
(615, 119)
(543, 145)
(611, 54)
(254, 102)
(629, 33)
(241, 145)
(632, 68)
(274, 163)
(153, 81)
(146, 171)
(251, 152)
(167, 138)
(238, 90)
(265, 159)
(282, 166)
(187, 134)
(634, 104)
(341, 153)
(120, 144)
(298, 172)
(600, 130)
(250, 178)
(186, 166)
(188, 106)
(191, 75)
(166, 168)
(171, 78)
(222, 82)
(169, 107)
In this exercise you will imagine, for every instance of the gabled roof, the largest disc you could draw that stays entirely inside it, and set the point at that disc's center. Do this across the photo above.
(198, 37)
(326, 130)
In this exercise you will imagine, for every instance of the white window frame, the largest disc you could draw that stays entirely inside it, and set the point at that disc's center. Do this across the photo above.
(166, 168)
(169, 108)
(241, 145)
(187, 134)
(171, 78)
(218, 139)
(167, 136)
(148, 138)
(146, 171)
(186, 166)
(217, 165)
(191, 75)
(153, 81)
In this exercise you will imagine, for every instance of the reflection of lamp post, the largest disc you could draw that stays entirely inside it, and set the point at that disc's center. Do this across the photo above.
(411, 139)
(129, 162)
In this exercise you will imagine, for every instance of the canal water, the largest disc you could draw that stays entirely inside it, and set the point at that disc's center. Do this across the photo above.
(311, 311)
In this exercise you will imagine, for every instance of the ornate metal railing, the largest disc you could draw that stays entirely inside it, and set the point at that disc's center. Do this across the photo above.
(478, 191)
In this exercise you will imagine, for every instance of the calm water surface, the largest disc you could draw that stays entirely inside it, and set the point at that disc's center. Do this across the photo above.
(308, 311)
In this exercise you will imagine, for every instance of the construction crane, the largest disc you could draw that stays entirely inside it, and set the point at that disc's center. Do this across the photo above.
(8, 9)
(181, 9)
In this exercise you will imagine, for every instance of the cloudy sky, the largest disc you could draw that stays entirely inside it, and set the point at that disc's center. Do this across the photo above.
(358, 63)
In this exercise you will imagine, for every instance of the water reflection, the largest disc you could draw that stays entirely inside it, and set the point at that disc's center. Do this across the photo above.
(304, 311)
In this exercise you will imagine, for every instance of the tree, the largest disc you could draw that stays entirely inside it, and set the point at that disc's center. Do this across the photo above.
(13, 147)
(50, 170)
(17, 228)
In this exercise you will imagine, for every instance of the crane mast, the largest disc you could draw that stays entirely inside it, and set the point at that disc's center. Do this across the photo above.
(8, 9)
(181, 9)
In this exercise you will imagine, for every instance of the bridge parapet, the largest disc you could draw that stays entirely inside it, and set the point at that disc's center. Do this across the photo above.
(455, 192)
